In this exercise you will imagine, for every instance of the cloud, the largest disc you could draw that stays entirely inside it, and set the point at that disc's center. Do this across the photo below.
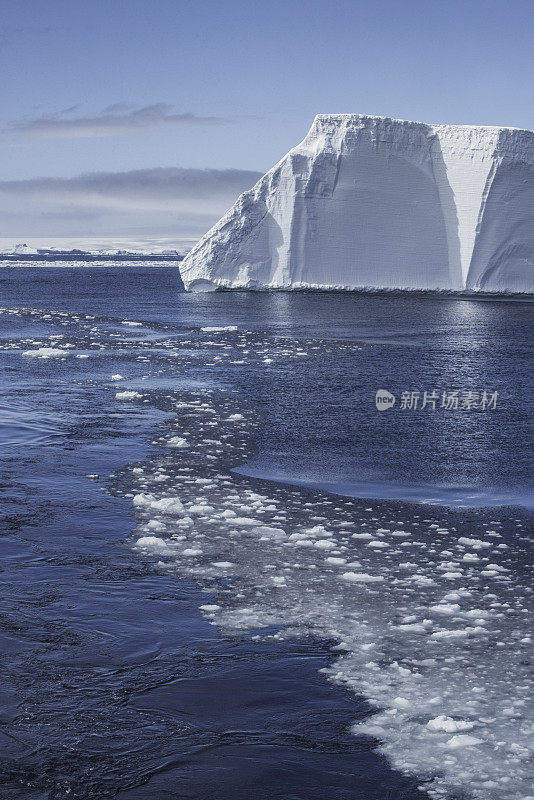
(115, 120)
(164, 200)
(160, 187)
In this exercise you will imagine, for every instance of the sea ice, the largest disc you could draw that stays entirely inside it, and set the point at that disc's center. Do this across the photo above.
(45, 352)
(127, 395)
(442, 660)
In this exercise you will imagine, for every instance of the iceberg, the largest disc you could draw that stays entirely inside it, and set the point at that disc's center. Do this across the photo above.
(375, 202)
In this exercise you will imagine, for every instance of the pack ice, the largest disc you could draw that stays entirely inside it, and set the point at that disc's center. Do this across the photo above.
(368, 201)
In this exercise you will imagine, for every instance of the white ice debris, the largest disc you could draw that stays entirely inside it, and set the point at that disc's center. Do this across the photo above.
(475, 544)
(361, 577)
(432, 629)
(463, 740)
(218, 328)
(177, 441)
(153, 543)
(367, 201)
(449, 725)
(127, 395)
(46, 352)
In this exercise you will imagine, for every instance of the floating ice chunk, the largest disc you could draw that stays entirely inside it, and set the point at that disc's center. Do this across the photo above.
(361, 577)
(153, 543)
(445, 608)
(132, 324)
(448, 724)
(191, 551)
(377, 544)
(169, 505)
(269, 532)
(455, 634)
(222, 564)
(477, 612)
(127, 395)
(475, 544)
(453, 596)
(201, 509)
(234, 418)
(45, 352)
(177, 441)
(218, 328)
(155, 525)
(401, 702)
(415, 627)
(117, 377)
(463, 740)
(318, 532)
(470, 558)
(210, 607)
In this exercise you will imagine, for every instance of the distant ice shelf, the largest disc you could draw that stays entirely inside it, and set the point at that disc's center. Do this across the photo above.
(374, 202)
(25, 253)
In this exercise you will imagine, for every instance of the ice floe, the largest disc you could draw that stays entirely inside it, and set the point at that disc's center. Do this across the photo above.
(429, 613)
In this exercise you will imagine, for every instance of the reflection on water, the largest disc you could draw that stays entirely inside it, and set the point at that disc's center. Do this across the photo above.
(322, 426)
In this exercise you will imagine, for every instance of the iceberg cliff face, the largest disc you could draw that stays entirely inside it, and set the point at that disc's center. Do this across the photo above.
(378, 202)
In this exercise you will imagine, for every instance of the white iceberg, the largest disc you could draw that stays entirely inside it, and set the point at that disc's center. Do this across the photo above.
(368, 201)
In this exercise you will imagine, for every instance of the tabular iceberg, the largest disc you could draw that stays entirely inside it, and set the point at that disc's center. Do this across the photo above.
(368, 201)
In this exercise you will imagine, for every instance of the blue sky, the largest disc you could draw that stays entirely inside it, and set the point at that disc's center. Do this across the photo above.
(186, 102)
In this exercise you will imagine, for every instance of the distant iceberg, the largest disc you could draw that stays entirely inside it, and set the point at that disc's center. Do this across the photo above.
(374, 202)
(23, 253)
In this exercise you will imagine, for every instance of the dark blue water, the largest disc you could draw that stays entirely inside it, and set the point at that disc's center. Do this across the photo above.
(115, 685)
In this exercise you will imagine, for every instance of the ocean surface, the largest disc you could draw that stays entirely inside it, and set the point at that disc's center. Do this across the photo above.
(227, 575)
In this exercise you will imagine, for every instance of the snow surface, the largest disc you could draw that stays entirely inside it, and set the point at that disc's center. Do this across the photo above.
(369, 201)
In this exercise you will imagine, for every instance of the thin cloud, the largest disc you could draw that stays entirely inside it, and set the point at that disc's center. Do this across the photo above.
(160, 184)
(115, 120)
(162, 200)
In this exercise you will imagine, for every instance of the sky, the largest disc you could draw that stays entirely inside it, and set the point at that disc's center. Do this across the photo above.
(147, 118)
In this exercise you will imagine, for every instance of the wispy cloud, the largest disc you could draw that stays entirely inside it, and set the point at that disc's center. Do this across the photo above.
(143, 188)
(115, 120)
(163, 199)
